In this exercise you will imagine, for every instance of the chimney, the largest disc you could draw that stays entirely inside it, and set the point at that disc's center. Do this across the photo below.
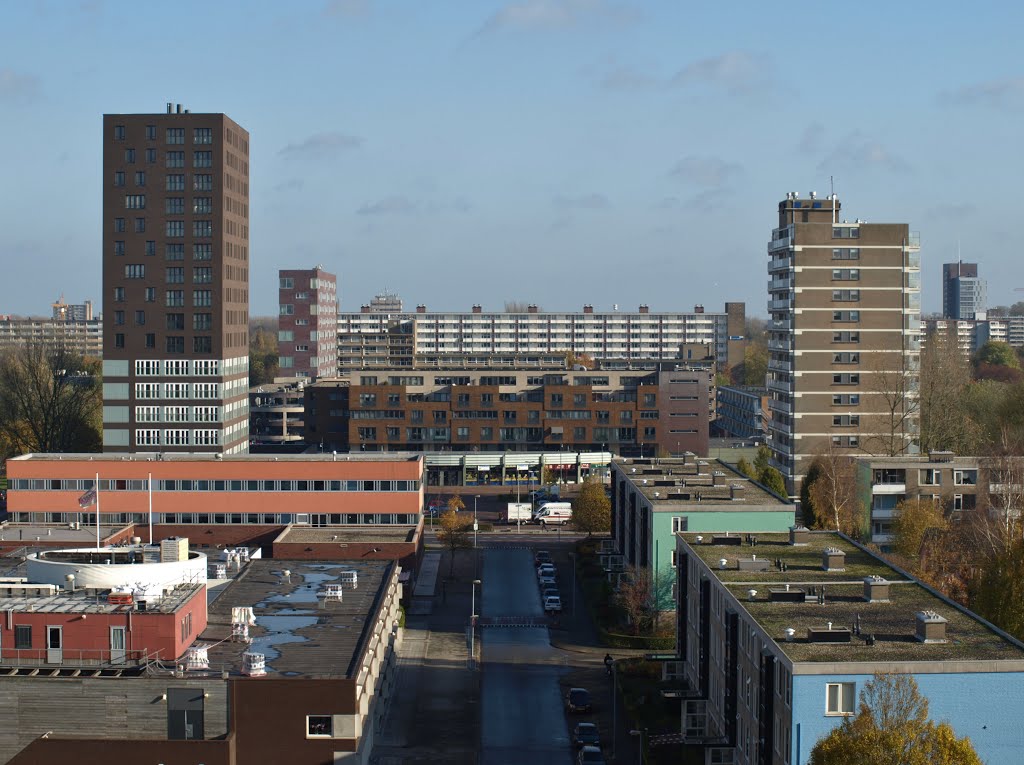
(645, 309)
(716, 476)
(588, 309)
(931, 628)
(421, 309)
(876, 589)
(478, 309)
(179, 108)
(833, 559)
(169, 107)
(531, 308)
(736, 491)
(364, 309)
(799, 535)
(698, 309)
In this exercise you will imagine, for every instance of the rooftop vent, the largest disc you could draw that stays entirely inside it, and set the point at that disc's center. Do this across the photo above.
(197, 657)
(833, 559)
(941, 456)
(716, 477)
(931, 628)
(736, 491)
(799, 535)
(254, 664)
(876, 589)
(829, 634)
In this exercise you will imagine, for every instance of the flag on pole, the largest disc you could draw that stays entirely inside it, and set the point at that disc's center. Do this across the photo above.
(89, 498)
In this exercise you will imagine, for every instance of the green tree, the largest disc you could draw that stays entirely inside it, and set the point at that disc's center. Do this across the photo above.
(915, 518)
(263, 359)
(761, 459)
(998, 354)
(50, 401)
(834, 493)
(591, 509)
(997, 593)
(892, 727)
(946, 422)
(772, 480)
(811, 518)
(755, 364)
(453, 533)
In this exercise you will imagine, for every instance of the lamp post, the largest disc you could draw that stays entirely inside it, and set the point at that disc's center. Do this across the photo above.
(639, 733)
(476, 524)
(472, 625)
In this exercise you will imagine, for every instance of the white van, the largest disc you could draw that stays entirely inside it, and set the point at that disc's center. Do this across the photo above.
(553, 514)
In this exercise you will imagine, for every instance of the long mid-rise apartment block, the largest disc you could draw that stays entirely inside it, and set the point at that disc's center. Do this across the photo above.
(422, 339)
(844, 335)
(175, 283)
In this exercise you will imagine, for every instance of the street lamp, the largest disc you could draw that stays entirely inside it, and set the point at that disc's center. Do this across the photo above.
(472, 625)
(639, 733)
(476, 524)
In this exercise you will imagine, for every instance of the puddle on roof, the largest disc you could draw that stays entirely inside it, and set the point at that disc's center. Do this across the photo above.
(281, 630)
(306, 592)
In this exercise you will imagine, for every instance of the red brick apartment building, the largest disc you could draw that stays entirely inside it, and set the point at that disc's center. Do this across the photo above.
(307, 334)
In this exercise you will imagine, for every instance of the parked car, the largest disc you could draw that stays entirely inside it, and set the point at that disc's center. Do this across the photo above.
(590, 755)
(578, 700)
(542, 556)
(547, 569)
(547, 580)
(549, 589)
(552, 604)
(586, 734)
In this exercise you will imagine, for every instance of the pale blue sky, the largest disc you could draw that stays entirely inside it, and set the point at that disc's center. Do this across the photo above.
(553, 151)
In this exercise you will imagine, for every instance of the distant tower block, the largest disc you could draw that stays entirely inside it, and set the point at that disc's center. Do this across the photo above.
(254, 664)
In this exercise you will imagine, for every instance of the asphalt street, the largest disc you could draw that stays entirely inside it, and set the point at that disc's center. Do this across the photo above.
(522, 718)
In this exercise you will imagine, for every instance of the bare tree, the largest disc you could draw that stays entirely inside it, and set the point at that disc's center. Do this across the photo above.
(833, 492)
(519, 306)
(945, 374)
(50, 401)
(890, 423)
(635, 596)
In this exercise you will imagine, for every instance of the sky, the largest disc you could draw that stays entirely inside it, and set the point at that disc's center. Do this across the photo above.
(558, 152)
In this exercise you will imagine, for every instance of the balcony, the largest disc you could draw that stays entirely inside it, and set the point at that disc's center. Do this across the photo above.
(783, 264)
(784, 283)
(779, 406)
(779, 385)
(780, 427)
(780, 305)
(780, 345)
(780, 366)
(888, 488)
(779, 325)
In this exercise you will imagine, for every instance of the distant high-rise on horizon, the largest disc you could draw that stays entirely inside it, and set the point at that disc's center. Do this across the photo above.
(307, 324)
(964, 295)
(175, 283)
(843, 337)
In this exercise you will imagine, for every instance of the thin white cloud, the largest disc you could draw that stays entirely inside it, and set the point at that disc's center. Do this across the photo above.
(1007, 93)
(736, 72)
(707, 172)
(591, 202)
(555, 14)
(321, 146)
(859, 150)
(18, 87)
(392, 205)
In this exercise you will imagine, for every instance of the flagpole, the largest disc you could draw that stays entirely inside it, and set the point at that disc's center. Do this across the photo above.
(97, 511)
(149, 483)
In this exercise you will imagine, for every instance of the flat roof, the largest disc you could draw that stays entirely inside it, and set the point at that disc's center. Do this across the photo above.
(299, 633)
(30, 533)
(229, 458)
(346, 534)
(892, 623)
(86, 600)
(694, 482)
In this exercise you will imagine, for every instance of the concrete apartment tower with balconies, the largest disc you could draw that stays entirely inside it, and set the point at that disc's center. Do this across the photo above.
(844, 302)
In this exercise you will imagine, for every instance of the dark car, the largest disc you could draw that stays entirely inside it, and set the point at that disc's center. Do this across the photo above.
(586, 734)
(542, 556)
(578, 700)
(590, 755)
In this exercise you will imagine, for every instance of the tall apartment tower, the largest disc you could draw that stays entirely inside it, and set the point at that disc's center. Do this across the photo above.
(844, 336)
(175, 283)
(964, 295)
(307, 326)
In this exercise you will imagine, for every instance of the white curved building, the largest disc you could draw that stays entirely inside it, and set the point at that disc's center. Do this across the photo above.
(137, 567)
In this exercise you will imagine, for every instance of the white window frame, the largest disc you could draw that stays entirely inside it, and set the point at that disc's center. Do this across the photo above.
(329, 734)
(847, 692)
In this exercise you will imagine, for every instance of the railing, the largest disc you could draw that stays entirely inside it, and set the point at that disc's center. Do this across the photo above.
(75, 657)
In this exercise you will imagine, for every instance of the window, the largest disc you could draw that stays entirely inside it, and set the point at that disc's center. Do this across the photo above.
(118, 225)
(140, 225)
(319, 726)
(202, 135)
(174, 251)
(202, 298)
(176, 321)
(119, 248)
(22, 637)
(846, 274)
(846, 253)
(845, 441)
(845, 420)
(129, 156)
(845, 296)
(119, 318)
(150, 340)
(151, 156)
(202, 322)
(202, 183)
(202, 228)
(151, 248)
(140, 177)
(135, 201)
(135, 271)
(118, 132)
(845, 315)
(202, 205)
(175, 182)
(287, 309)
(202, 159)
(175, 228)
(846, 399)
(202, 344)
(965, 477)
(286, 283)
(140, 318)
(118, 294)
(175, 275)
(841, 698)
(174, 205)
(931, 477)
(175, 135)
(845, 232)
(175, 298)
(119, 340)
(150, 132)
(845, 358)
(175, 159)
(846, 379)
(202, 252)
(119, 178)
(175, 344)
(846, 337)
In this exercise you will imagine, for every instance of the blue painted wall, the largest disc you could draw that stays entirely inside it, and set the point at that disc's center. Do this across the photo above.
(988, 707)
